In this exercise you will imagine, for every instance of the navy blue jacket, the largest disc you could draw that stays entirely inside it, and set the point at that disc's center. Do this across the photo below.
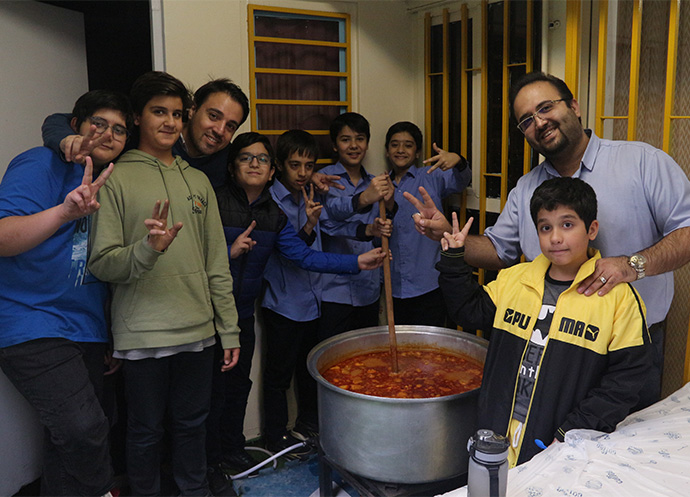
(272, 231)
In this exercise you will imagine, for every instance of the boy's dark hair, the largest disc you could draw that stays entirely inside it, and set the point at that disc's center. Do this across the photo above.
(91, 101)
(356, 122)
(223, 85)
(154, 84)
(296, 141)
(533, 77)
(244, 140)
(405, 126)
(565, 192)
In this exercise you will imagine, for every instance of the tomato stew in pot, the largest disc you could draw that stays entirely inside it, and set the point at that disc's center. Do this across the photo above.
(423, 373)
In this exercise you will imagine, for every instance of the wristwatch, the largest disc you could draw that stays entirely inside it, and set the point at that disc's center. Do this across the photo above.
(639, 263)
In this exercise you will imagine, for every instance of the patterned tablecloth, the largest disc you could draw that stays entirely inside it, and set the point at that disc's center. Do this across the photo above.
(647, 455)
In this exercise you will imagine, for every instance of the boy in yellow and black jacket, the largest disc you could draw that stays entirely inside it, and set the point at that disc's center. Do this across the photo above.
(557, 360)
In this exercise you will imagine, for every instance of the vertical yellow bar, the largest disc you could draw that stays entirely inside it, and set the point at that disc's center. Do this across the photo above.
(504, 96)
(636, 38)
(427, 81)
(348, 58)
(572, 45)
(446, 78)
(601, 68)
(673, 24)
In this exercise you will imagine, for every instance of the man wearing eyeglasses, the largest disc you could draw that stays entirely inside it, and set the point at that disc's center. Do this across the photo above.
(643, 196)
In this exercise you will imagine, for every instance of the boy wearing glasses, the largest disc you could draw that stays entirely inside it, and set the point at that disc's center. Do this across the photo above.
(255, 228)
(172, 290)
(53, 336)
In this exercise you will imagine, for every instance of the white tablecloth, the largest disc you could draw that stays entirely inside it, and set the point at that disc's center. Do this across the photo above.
(647, 455)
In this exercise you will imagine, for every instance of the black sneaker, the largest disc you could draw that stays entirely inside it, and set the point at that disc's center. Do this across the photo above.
(239, 461)
(305, 430)
(218, 483)
(302, 452)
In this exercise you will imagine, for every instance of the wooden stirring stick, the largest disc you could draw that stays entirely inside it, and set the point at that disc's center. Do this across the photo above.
(388, 291)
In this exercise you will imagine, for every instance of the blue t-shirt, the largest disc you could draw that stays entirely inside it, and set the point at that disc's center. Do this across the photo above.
(47, 292)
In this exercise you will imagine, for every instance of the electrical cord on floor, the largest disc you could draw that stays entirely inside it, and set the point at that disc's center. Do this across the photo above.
(311, 442)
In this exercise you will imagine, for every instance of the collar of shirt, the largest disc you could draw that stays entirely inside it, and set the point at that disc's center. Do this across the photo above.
(339, 170)
(587, 159)
(591, 151)
(281, 193)
(411, 171)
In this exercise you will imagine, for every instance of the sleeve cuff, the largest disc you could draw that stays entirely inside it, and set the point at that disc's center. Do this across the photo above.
(362, 233)
(390, 214)
(355, 204)
(454, 253)
(309, 239)
(463, 164)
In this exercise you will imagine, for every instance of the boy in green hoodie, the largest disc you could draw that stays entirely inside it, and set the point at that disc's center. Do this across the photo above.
(169, 299)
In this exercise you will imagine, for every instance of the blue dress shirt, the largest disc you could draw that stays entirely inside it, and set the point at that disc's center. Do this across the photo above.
(341, 237)
(413, 271)
(291, 291)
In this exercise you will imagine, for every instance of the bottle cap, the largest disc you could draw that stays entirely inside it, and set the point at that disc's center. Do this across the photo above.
(486, 446)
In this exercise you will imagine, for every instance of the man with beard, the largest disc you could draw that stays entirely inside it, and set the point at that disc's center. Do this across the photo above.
(644, 206)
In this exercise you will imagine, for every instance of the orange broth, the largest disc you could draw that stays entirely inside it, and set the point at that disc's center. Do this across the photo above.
(423, 373)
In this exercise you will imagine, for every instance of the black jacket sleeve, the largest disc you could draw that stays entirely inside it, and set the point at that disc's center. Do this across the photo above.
(468, 303)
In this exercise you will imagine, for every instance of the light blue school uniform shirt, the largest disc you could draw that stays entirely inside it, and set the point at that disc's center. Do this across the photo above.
(413, 270)
(339, 236)
(642, 195)
(291, 291)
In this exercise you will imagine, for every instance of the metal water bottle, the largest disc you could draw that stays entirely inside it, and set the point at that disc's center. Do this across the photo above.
(488, 470)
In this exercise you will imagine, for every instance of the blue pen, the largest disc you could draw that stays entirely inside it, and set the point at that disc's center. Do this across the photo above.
(540, 444)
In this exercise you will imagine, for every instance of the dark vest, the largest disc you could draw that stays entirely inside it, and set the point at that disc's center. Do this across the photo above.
(236, 215)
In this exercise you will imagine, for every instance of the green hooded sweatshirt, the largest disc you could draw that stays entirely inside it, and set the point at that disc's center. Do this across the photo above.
(175, 297)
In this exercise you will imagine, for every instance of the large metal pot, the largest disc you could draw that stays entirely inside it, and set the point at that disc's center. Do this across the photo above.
(395, 440)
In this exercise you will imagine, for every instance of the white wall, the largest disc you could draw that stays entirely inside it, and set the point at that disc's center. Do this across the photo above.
(553, 37)
(209, 39)
(43, 61)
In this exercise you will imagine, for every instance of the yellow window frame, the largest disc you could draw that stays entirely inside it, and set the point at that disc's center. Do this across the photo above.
(253, 70)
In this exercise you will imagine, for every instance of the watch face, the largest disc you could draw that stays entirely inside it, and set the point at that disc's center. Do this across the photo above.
(638, 262)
